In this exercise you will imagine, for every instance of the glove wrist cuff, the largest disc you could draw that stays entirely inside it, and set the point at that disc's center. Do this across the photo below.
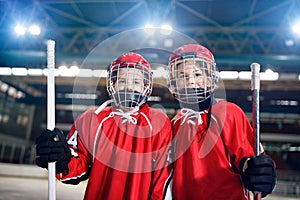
(244, 164)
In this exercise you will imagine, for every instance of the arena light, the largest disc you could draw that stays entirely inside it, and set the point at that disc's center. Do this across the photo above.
(20, 95)
(288, 76)
(149, 29)
(65, 72)
(269, 75)
(296, 28)
(229, 75)
(3, 87)
(12, 91)
(160, 72)
(289, 43)
(5, 71)
(63, 67)
(45, 72)
(34, 30)
(101, 73)
(85, 73)
(168, 43)
(166, 29)
(80, 96)
(19, 71)
(74, 69)
(245, 75)
(35, 72)
(20, 30)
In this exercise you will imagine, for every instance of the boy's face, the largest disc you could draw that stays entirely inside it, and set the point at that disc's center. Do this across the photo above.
(130, 79)
(191, 75)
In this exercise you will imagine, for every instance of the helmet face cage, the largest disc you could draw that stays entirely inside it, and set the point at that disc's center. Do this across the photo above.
(129, 84)
(192, 78)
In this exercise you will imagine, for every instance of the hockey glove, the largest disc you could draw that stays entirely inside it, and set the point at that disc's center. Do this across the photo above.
(258, 174)
(51, 146)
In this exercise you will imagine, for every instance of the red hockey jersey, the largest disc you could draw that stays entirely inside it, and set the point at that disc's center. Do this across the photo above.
(124, 155)
(207, 160)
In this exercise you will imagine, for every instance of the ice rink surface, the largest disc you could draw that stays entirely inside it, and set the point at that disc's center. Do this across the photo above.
(29, 182)
(15, 188)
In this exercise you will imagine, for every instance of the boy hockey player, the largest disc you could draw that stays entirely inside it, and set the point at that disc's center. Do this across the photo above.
(122, 149)
(214, 157)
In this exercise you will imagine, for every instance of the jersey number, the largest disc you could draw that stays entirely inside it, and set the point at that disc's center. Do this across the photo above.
(73, 141)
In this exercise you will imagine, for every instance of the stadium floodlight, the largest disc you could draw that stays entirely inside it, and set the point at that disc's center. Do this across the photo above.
(65, 71)
(269, 75)
(56, 72)
(34, 30)
(19, 30)
(19, 71)
(149, 29)
(166, 29)
(100, 73)
(3, 87)
(5, 71)
(229, 75)
(160, 72)
(74, 69)
(245, 75)
(296, 28)
(35, 72)
(289, 43)
(84, 73)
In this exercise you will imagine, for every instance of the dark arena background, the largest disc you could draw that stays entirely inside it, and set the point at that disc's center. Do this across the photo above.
(237, 32)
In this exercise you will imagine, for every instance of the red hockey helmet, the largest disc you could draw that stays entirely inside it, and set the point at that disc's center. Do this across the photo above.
(131, 59)
(127, 98)
(194, 49)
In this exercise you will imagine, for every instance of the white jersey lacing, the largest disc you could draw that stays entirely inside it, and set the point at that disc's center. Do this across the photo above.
(127, 116)
(190, 115)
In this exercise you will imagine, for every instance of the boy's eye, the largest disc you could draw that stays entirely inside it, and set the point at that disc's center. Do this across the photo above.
(198, 74)
(181, 75)
(121, 81)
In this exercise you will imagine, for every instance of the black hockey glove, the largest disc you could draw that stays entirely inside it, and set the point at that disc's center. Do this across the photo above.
(258, 174)
(51, 146)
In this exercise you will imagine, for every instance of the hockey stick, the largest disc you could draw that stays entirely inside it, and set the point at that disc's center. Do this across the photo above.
(255, 86)
(51, 112)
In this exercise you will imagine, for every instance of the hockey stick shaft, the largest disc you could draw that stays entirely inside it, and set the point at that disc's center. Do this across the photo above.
(51, 112)
(255, 87)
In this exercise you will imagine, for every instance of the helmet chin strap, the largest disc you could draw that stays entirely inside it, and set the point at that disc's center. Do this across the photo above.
(199, 106)
(196, 99)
